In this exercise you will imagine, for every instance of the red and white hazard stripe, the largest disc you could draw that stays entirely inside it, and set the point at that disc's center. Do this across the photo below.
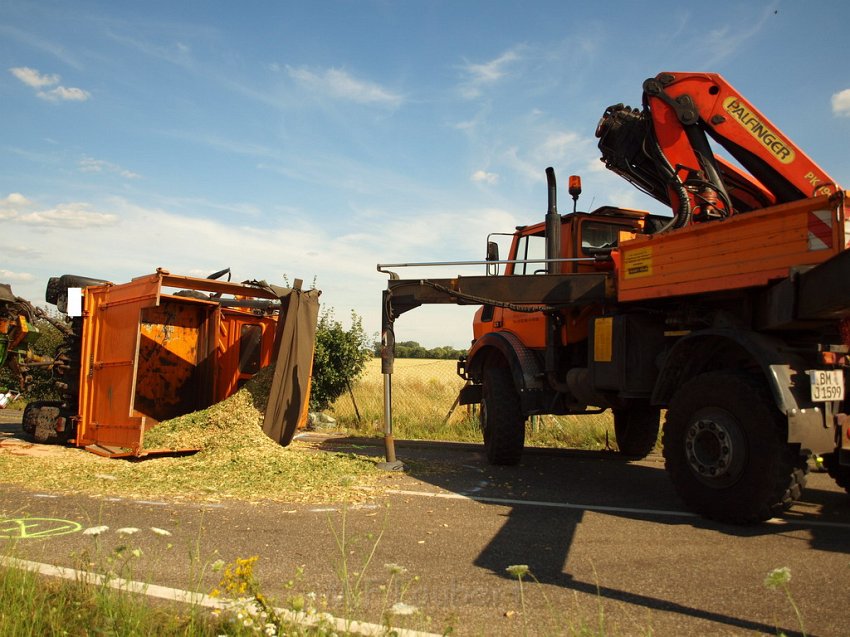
(820, 229)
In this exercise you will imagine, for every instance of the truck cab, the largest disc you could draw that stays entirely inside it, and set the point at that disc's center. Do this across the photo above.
(586, 242)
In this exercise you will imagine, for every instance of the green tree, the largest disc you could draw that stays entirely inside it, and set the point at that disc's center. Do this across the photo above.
(412, 349)
(339, 358)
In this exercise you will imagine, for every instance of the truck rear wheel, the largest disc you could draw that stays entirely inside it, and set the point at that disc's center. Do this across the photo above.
(502, 420)
(636, 430)
(726, 452)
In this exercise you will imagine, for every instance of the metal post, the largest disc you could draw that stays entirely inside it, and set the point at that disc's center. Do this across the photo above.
(387, 360)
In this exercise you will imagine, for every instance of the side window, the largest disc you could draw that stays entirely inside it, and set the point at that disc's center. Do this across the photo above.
(530, 247)
(599, 237)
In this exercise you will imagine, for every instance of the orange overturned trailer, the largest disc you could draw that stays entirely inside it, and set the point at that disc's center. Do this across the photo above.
(163, 345)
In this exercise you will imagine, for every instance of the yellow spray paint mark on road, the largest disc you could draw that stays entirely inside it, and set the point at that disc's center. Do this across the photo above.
(32, 528)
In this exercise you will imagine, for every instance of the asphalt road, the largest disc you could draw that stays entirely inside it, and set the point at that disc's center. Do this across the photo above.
(606, 540)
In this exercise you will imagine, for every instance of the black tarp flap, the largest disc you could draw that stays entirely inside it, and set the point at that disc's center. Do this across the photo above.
(289, 394)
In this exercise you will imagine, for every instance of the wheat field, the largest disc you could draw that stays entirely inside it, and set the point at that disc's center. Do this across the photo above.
(424, 392)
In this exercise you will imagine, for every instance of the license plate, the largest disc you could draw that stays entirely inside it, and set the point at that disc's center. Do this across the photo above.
(827, 385)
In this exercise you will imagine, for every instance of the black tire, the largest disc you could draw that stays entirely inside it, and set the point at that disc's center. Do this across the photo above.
(636, 430)
(502, 420)
(839, 473)
(726, 452)
(38, 421)
(28, 420)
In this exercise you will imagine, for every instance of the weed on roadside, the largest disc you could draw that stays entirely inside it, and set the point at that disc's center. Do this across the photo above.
(779, 579)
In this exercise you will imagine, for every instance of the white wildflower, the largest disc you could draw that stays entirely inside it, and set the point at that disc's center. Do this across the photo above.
(778, 577)
(127, 530)
(160, 531)
(395, 569)
(94, 531)
(518, 570)
(400, 608)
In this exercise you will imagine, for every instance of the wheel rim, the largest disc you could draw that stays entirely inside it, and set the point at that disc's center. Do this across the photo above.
(715, 448)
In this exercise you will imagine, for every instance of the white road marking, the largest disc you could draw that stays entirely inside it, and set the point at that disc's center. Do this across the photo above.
(602, 508)
(199, 599)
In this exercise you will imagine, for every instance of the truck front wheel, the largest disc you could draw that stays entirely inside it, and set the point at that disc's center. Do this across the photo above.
(726, 452)
(502, 421)
(636, 430)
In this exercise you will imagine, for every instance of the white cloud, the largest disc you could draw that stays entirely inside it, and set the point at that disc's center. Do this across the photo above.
(35, 79)
(8, 275)
(341, 84)
(69, 215)
(482, 176)
(841, 103)
(15, 199)
(559, 144)
(63, 94)
(480, 75)
(492, 70)
(295, 246)
(91, 165)
(11, 205)
(31, 77)
(17, 208)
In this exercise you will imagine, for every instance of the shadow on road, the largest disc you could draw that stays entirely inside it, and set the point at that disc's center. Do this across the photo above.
(550, 492)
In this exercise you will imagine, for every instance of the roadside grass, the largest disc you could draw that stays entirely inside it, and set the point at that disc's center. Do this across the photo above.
(424, 394)
(103, 596)
(37, 605)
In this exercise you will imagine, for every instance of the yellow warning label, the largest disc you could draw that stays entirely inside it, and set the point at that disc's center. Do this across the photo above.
(603, 337)
(637, 263)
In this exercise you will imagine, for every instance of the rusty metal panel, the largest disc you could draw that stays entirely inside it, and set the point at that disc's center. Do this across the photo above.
(173, 376)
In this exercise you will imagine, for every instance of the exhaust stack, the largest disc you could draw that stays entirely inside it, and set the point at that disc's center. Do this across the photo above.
(553, 225)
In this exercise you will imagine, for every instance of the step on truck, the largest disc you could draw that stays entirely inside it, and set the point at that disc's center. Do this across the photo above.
(731, 314)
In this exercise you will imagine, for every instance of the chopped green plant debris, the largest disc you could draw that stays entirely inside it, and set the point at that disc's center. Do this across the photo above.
(235, 459)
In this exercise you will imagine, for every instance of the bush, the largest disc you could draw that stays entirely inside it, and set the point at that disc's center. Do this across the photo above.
(339, 358)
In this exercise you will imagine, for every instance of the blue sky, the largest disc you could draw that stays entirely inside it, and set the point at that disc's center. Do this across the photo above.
(317, 139)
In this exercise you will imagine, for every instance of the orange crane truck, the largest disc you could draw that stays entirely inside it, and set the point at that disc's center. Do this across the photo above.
(733, 314)
(159, 346)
